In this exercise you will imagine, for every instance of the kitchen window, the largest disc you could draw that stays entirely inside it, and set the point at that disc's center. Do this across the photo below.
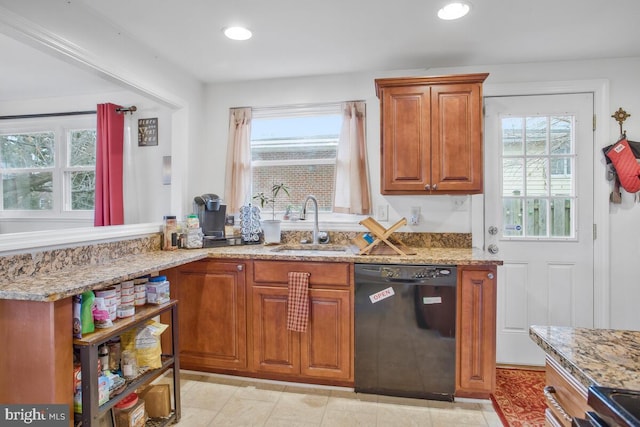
(48, 167)
(296, 146)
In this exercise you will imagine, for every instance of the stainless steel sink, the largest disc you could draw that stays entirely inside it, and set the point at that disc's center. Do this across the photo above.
(621, 406)
(310, 247)
(628, 401)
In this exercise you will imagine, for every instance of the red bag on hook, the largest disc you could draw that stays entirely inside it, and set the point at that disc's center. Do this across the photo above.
(626, 166)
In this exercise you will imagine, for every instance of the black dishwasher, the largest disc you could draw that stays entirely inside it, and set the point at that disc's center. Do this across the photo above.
(405, 328)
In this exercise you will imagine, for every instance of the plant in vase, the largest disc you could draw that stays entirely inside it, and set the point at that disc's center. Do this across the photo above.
(271, 227)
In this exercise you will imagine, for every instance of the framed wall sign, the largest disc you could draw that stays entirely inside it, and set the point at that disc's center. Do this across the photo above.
(147, 132)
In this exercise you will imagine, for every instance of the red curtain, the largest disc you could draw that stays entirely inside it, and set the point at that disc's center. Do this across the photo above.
(109, 209)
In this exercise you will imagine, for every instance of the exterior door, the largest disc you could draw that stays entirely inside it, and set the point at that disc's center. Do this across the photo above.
(539, 215)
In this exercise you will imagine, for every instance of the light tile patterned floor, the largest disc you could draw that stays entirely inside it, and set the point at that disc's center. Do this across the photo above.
(215, 400)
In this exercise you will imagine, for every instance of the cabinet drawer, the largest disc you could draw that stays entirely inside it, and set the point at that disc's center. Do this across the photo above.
(570, 395)
(322, 273)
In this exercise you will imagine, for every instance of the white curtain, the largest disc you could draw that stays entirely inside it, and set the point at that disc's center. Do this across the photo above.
(352, 185)
(238, 170)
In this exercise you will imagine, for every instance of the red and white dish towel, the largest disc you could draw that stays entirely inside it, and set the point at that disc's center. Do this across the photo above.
(298, 301)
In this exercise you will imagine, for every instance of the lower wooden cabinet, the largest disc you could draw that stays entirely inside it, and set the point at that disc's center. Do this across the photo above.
(566, 396)
(212, 315)
(324, 352)
(476, 331)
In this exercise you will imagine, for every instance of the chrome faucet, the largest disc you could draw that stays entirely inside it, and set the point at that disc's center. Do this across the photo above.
(316, 230)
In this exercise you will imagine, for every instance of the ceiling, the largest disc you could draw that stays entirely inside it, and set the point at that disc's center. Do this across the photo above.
(303, 38)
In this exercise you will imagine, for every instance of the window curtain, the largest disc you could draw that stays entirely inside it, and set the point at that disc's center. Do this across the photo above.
(352, 186)
(238, 171)
(109, 207)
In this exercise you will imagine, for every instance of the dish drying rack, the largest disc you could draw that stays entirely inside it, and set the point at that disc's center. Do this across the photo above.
(379, 234)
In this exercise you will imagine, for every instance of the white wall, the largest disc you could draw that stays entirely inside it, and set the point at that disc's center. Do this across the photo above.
(437, 211)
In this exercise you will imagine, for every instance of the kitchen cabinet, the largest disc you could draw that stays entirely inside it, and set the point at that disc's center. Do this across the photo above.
(476, 331)
(322, 354)
(566, 396)
(88, 349)
(431, 134)
(213, 315)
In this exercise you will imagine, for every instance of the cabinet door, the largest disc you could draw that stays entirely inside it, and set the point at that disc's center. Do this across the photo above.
(456, 141)
(326, 345)
(476, 354)
(405, 127)
(275, 349)
(212, 315)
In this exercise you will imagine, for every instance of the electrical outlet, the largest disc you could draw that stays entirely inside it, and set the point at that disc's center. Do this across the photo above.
(415, 215)
(460, 203)
(382, 212)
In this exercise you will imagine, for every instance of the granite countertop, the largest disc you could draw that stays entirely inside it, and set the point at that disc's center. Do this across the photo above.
(55, 285)
(604, 357)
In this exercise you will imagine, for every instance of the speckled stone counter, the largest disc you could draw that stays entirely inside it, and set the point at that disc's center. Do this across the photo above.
(604, 357)
(51, 276)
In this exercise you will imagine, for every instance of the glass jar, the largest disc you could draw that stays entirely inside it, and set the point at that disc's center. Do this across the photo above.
(170, 233)
(129, 364)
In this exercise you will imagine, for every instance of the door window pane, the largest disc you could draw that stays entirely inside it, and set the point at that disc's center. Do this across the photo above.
(536, 135)
(512, 217)
(536, 217)
(537, 176)
(561, 134)
(512, 132)
(561, 217)
(512, 177)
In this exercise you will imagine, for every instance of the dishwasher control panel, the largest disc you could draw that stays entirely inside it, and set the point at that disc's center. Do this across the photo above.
(399, 272)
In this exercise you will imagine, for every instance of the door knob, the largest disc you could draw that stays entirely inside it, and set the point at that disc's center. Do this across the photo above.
(493, 249)
(493, 230)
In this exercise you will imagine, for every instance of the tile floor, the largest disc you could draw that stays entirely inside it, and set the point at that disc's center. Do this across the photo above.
(217, 400)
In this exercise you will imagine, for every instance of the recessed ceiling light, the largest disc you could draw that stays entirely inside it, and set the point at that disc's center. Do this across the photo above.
(237, 33)
(454, 10)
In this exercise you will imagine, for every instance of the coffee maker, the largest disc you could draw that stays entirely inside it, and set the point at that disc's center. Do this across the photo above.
(212, 214)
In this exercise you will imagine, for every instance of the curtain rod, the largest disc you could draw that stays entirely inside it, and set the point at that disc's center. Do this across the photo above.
(66, 113)
(35, 116)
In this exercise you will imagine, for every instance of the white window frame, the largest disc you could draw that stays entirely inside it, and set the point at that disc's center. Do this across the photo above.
(61, 127)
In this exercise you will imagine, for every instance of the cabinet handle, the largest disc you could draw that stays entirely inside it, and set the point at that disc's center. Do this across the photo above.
(427, 187)
(240, 267)
(490, 276)
(549, 392)
(435, 186)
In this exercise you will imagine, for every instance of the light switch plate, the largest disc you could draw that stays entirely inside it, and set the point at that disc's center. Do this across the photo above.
(382, 212)
(166, 170)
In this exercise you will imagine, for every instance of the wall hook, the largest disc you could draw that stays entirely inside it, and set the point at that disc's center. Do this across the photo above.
(620, 117)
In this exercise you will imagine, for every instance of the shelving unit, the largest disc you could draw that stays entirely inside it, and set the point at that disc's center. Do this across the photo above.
(88, 347)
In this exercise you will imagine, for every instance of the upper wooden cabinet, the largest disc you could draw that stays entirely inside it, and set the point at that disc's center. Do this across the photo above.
(431, 134)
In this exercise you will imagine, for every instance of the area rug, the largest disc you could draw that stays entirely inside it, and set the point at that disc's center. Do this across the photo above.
(518, 399)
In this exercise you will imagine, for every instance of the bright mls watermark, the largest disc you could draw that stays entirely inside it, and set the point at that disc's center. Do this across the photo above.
(34, 415)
